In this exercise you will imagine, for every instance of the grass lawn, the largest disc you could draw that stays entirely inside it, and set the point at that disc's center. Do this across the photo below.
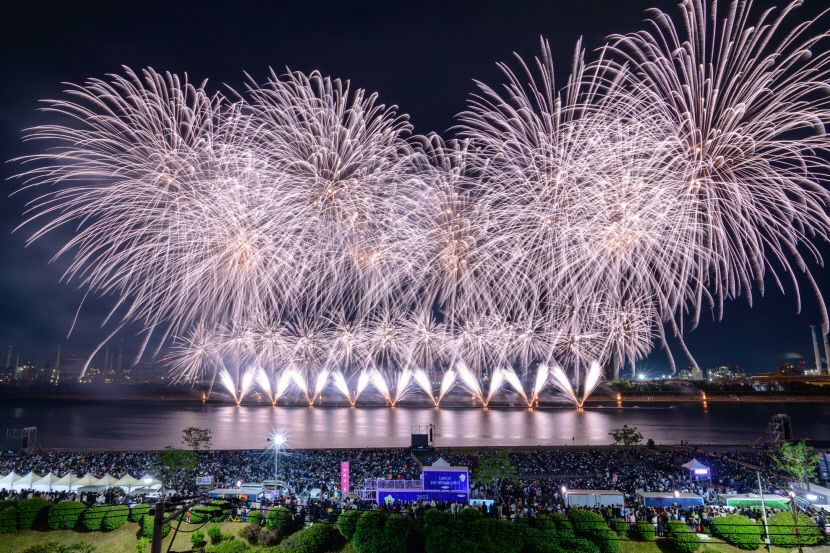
(661, 545)
(122, 540)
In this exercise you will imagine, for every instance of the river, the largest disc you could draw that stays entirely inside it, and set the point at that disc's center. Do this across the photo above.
(152, 425)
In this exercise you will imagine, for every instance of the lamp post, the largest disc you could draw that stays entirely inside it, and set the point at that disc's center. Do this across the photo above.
(764, 511)
(278, 439)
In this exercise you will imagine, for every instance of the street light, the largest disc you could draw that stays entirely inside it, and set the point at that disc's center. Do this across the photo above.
(278, 439)
(795, 520)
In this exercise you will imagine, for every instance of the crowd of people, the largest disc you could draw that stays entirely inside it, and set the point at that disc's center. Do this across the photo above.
(313, 477)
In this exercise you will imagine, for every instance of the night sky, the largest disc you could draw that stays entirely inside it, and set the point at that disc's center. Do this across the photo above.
(422, 57)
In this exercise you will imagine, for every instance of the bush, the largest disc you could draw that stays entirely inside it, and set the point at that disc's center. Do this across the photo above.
(619, 525)
(317, 538)
(115, 517)
(215, 535)
(206, 513)
(346, 523)
(250, 533)
(65, 515)
(270, 537)
(138, 511)
(369, 535)
(606, 539)
(228, 546)
(225, 509)
(782, 530)
(542, 537)
(643, 530)
(682, 538)
(585, 522)
(563, 525)
(578, 545)
(93, 518)
(53, 547)
(279, 517)
(197, 540)
(8, 516)
(254, 517)
(142, 544)
(468, 515)
(738, 530)
(147, 523)
(32, 511)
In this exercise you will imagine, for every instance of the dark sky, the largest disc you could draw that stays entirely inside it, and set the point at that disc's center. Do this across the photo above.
(420, 56)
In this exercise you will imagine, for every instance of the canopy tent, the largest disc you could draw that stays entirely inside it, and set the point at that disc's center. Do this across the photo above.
(154, 483)
(8, 480)
(128, 482)
(25, 482)
(107, 481)
(45, 483)
(85, 481)
(697, 468)
(66, 483)
(593, 498)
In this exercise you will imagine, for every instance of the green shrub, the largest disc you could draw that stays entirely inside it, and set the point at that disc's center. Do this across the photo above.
(279, 517)
(346, 523)
(254, 517)
(606, 539)
(738, 530)
(270, 537)
(142, 544)
(317, 538)
(578, 545)
(563, 525)
(619, 525)
(197, 540)
(228, 546)
(468, 514)
(542, 537)
(585, 522)
(215, 535)
(53, 547)
(138, 512)
(65, 515)
(682, 538)
(436, 517)
(8, 516)
(147, 522)
(115, 517)
(93, 518)
(225, 509)
(643, 530)
(32, 511)
(206, 513)
(250, 533)
(369, 535)
(782, 530)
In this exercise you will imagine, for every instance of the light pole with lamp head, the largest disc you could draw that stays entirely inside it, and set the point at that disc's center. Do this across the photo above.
(278, 439)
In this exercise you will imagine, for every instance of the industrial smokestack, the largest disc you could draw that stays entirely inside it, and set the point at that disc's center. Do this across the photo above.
(815, 349)
(826, 351)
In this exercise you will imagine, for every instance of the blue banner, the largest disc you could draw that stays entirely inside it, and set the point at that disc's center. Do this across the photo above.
(408, 496)
(456, 480)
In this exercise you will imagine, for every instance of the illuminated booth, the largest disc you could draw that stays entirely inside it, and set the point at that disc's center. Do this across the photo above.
(594, 498)
(439, 482)
(698, 469)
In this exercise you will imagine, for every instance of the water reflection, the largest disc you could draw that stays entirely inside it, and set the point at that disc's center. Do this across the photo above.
(142, 425)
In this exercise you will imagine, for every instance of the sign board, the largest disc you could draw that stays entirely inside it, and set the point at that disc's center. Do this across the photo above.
(344, 477)
(446, 480)
(204, 480)
(407, 496)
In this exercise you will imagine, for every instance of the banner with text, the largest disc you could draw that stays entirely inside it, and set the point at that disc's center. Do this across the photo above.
(344, 477)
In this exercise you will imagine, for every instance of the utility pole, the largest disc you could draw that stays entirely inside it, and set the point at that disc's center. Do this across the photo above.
(764, 511)
(795, 521)
(158, 523)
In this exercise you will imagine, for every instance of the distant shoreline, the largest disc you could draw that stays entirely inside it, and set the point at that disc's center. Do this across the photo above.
(599, 399)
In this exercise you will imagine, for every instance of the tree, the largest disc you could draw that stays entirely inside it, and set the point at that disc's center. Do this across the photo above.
(196, 438)
(494, 468)
(797, 459)
(176, 464)
(626, 436)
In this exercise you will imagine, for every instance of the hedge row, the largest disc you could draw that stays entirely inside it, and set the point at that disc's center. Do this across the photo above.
(782, 530)
(682, 538)
(738, 530)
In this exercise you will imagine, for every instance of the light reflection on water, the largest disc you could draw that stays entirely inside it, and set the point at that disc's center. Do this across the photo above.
(150, 425)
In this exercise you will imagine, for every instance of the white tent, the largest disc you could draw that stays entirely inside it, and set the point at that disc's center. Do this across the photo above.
(107, 481)
(154, 484)
(8, 480)
(65, 483)
(128, 482)
(25, 482)
(46, 483)
(85, 481)
(697, 468)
